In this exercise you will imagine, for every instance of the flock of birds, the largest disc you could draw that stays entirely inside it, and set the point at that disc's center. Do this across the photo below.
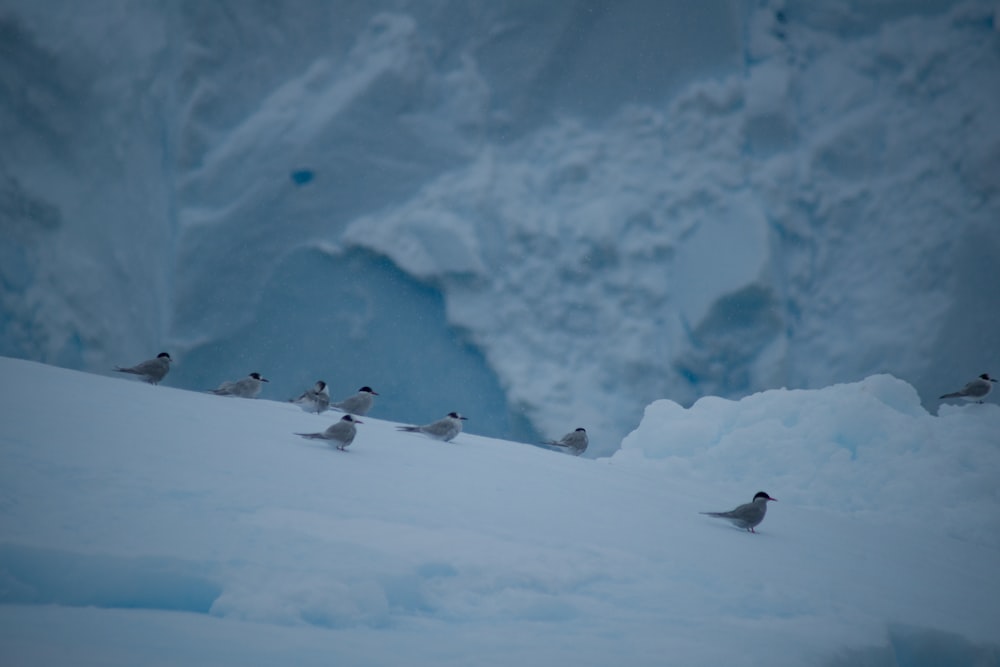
(317, 399)
(341, 433)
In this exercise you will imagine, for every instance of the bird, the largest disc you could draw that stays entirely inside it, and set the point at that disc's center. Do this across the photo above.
(341, 432)
(247, 387)
(357, 404)
(443, 429)
(748, 515)
(315, 400)
(574, 442)
(151, 370)
(976, 390)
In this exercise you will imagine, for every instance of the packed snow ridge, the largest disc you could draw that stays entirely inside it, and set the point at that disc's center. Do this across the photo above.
(150, 525)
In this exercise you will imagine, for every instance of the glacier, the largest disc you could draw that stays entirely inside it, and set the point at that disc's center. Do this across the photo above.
(553, 214)
(148, 525)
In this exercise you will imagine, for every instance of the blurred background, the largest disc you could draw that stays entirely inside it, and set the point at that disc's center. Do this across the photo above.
(543, 215)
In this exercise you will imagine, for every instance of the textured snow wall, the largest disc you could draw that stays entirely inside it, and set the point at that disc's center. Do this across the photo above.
(615, 203)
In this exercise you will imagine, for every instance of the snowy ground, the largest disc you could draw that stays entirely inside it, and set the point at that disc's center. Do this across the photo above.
(150, 525)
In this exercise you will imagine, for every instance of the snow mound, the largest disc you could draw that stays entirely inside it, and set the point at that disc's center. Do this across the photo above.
(865, 448)
(146, 523)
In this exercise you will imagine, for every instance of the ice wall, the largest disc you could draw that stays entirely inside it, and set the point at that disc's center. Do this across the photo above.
(86, 197)
(815, 217)
(617, 202)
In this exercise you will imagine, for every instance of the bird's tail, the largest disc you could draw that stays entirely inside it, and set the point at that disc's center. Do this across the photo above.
(408, 429)
(715, 514)
(955, 394)
(125, 370)
(311, 436)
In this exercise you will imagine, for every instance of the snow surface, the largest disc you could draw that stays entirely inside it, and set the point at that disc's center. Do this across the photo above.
(156, 526)
(560, 212)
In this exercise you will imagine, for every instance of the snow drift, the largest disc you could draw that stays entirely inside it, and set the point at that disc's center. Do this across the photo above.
(150, 525)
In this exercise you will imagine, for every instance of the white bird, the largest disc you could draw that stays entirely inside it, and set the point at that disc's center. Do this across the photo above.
(443, 429)
(247, 387)
(341, 432)
(748, 515)
(151, 370)
(358, 404)
(976, 390)
(315, 400)
(574, 442)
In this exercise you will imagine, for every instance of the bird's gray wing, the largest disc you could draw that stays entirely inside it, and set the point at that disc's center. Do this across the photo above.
(750, 512)
(977, 389)
(359, 404)
(336, 430)
(742, 512)
(439, 428)
(148, 367)
(351, 404)
(344, 432)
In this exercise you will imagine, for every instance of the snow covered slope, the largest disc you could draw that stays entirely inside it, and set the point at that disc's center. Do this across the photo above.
(150, 525)
(558, 212)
